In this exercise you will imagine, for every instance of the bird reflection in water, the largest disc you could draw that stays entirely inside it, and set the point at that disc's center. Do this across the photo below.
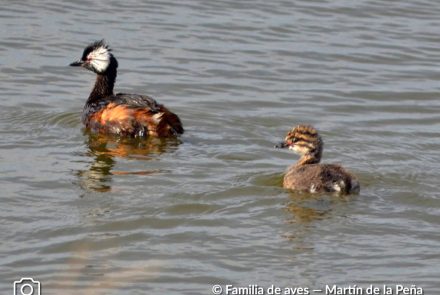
(304, 210)
(306, 207)
(106, 149)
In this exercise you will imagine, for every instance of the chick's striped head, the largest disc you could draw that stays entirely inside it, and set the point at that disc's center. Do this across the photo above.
(304, 139)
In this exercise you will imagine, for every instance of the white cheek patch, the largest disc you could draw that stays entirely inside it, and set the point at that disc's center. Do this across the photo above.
(298, 149)
(99, 59)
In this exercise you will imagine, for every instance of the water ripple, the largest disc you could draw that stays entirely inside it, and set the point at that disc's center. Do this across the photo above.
(95, 214)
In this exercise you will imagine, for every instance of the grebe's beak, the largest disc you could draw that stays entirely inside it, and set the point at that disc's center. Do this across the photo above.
(77, 63)
(281, 145)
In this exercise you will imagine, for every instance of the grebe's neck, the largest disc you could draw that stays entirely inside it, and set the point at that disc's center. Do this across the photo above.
(311, 157)
(308, 159)
(104, 84)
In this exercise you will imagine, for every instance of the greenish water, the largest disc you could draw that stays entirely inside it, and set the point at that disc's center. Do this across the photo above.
(88, 214)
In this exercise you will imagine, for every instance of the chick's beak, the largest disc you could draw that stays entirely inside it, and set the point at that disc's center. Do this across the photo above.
(281, 145)
(77, 63)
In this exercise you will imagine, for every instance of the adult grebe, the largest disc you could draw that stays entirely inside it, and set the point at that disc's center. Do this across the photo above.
(123, 114)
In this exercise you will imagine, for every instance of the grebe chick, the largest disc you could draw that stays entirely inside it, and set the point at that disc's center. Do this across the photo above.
(123, 114)
(307, 174)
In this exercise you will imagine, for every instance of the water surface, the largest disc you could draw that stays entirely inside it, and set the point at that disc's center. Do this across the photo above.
(100, 215)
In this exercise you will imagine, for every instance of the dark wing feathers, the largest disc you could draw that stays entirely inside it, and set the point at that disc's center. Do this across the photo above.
(145, 112)
(137, 101)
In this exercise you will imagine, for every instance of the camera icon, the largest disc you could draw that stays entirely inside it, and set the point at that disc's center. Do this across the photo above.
(27, 286)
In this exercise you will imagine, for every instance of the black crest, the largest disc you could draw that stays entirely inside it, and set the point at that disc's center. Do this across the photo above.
(93, 46)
